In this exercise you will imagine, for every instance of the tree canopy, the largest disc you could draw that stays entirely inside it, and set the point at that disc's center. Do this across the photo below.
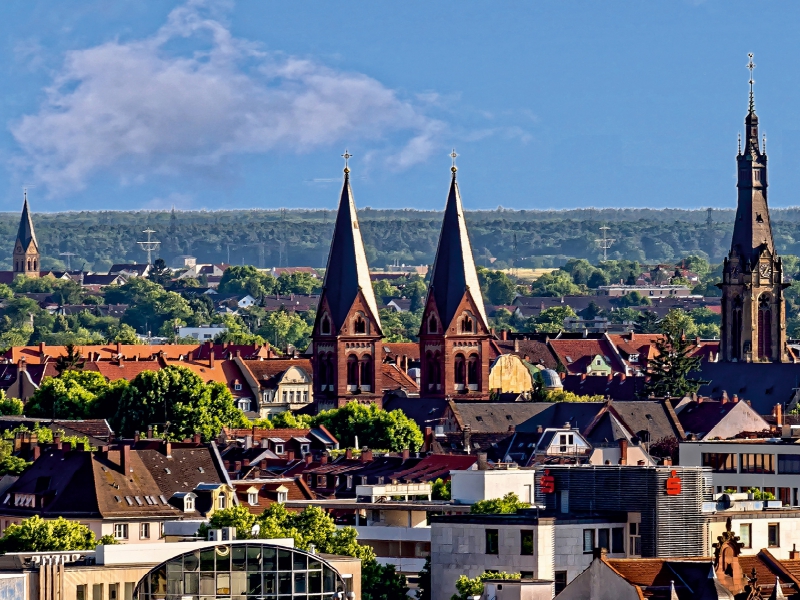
(508, 504)
(38, 535)
(373, 426)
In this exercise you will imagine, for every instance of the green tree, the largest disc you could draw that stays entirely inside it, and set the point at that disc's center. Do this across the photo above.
(550, 320)
(297, 283)
(281, 327)
(440, 490)
(677, 323)
(246, 280)
(424, 583)
(670, 369)
(160, 273)
(233, 516)
(497, 287)
(557, 283)
(124, 334)
(237, 332)
(177, 396)
(72, 395)
(374, 427)
(151, 307)
(565, 396)
(289, 420)
(633, 298)
(10, 406)
(508, 504)
(466, 587)
(71, 360)
(37, 535)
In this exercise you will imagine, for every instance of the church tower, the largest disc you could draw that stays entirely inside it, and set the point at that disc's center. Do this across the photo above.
(346, 339)
(753, 311)
(454, 336)
(26, 250)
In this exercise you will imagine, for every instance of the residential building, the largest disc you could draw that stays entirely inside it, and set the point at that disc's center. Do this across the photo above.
(724, 419)
(259, 494)
(649, 291)
(201, 333)
(454, 337)
(279, 384)
(130, 270)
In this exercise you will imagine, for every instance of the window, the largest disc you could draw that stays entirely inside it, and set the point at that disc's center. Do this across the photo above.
(635, 541)
(745, 535)
(788, 463)
(560, 581)
(349, 482)
(285, 396)
(773, 535)
(129, 585)
(144, 531)
(80, 592)
(360, 325)
(526, 542)
(188, 503)
(757, 463)
(252, 498)
(588, 541)
(283, 497)
(322, 481)
(244, 404)
(113, 591)
(305, 449)
(278, 448)
(237, 386)
(222, 502)
(603, 539)
(305, 396)
(720, 462)
(618, 540)
(492, 541)
(97, 591)
(120, 531)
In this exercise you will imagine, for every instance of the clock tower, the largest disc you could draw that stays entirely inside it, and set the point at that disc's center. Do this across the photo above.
(753, 310)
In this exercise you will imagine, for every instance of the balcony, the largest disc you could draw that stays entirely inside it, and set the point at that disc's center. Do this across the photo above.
(386, 491)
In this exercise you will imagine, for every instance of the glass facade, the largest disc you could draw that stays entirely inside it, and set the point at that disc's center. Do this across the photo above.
(242, 571)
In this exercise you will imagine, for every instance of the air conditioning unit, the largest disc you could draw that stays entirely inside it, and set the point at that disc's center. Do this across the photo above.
(228, 534)
(215, 535)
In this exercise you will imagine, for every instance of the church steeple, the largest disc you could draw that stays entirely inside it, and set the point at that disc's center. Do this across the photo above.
(26, 249)
(347, 331)
(454, 336)
(753, 311)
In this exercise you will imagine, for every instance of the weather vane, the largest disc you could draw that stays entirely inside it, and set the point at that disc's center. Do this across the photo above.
(751, 65)
(453, 155)
(347, 156)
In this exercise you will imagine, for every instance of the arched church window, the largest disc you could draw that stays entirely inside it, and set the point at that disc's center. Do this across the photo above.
(35, 264)
(473, 371)
(331, 372)
(459, 371)
(359, 325)
(326, 325)
(466, 325)
(764, 327)
(736, 328)
(366, 371)
(352, 370)
(433, 325)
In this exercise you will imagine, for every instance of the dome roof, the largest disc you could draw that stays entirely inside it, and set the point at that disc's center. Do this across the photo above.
(551, 379)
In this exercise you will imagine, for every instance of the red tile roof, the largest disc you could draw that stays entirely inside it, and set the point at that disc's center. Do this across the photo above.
(436, 466)
(296, 489)
(576, 355)
(410, 350)
(396, 378)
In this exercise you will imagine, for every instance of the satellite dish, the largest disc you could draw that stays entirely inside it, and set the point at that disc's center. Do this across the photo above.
(255, 530)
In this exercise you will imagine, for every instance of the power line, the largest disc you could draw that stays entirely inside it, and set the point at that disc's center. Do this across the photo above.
(605, 242)
(149, 245)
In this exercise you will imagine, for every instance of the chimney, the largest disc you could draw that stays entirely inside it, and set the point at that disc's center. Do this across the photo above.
(794, 554)
(135, 436)
(248, 442)
(42, 346)
(623, 451)
(667, 462)
(504, 334)
(227, 464)
(125, 459)
(483, 461)
(246, 462)
(263, 464)
(723, 400)
(36, 452)
(539, 429)
(237, 466)
(366, 455)
(511, 428)
(167, 449)
(324, 458)
(211, 358)
(197, 439)
(264, 443)
(119, 347)
(149, 432)
(22, 366)
(290, 455)
(467, 432)
(348, 454)
(735, 398)
(57, 441)
(80, 447)
(779, 415)
(406, 453)
(516, 345)
(66, 446)
(309, 458)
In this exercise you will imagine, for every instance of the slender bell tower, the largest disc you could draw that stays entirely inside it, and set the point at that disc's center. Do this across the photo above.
(346, 339)
(753, 310)
(454, 336)
(26, 249)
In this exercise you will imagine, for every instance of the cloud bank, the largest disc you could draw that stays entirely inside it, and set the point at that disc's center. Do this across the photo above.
(140, 108)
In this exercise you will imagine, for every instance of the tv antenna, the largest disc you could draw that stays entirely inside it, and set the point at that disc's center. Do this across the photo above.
(68, 255)
(605, 242)
(149, 245)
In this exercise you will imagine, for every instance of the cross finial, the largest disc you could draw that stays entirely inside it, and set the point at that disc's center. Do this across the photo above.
(453, 155)
(347, 156)
(751, 65)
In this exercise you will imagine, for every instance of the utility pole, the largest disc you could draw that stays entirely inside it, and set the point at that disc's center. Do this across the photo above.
(68, 255)
(149, 245)
(605, 242)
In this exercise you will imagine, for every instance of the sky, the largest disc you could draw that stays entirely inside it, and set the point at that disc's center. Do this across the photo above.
(214, 104)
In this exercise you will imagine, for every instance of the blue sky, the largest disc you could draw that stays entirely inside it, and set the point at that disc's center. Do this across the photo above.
(125, 104)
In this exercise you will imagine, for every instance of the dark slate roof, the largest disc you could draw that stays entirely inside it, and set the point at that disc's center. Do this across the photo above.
(763, 384)
(536, 352)
(25, 234)
(425, 412)
(495, 417)
(615, 388)
(454, 268)
(347, 270)
(656, 417)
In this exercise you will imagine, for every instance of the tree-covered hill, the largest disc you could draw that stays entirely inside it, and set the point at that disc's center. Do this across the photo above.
(270, 238)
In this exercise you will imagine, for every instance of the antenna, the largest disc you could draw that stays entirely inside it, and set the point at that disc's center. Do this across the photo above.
(68, 255)
(605, 242)
(149, 245)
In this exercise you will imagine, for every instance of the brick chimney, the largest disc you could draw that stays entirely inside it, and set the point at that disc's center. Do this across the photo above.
(66, 446)
(149, 432)
(22, 365)
(348, 454)
(623, 451)
(794, 553)
(57, 441)
(406, 453)
(467, 433)
(211, 358)
(136, 437)
(245, 462)
(167, 449)
(309, 458)
(779, 415)
(80, 447)
(366, 455)
(237, 466)
(324, 458)
(36, 452)
(197, 438)
(290, 455)
(125, 459)
(723, 400)
(667, 462)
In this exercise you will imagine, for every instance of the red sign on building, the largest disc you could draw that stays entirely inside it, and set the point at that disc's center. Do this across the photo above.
(548, 483)
(673, 484)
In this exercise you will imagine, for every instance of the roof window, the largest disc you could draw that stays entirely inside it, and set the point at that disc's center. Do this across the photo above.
(129, 500)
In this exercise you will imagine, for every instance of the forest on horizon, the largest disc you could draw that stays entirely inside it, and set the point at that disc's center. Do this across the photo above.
(501, 238)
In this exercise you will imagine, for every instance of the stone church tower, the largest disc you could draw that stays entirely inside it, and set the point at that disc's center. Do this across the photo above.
(346, 339)
(26, 249)
(753, 310)
(454, 336)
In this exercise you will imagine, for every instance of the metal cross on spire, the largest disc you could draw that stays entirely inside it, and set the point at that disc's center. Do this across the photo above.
(453, 155)
(751, 65)
(347, 156)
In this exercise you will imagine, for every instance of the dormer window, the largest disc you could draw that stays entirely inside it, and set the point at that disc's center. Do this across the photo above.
(222, 502)
(305, 449)
(252, 498)
(326, 325)
(634, 358)
(188, 503)
(244, 404)
(283, 497)
(278, 448)
(237, 386)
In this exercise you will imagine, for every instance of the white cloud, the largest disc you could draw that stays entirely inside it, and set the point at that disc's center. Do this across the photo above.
(136, 108)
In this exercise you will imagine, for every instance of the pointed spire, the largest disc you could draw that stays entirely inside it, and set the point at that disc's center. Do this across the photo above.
(25, 234)
(777, 592)
(751, 65)
(347, 271)
(673, 595)
(454, 267)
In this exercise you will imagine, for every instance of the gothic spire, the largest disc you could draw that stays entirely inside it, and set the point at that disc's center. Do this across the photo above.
(347, 272)
(454, 267)
(25, 234)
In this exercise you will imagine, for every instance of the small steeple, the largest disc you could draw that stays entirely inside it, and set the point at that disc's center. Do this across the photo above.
(454, 270)
(751, 65)
(347, 272)
(25, 234)
(777, 592)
